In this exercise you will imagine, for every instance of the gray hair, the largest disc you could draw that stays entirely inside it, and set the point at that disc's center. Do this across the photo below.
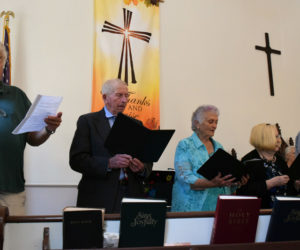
(289, 149)
(109, 86)
(199, 113)
(3, 54)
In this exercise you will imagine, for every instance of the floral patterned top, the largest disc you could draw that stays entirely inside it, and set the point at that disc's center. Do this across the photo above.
(190, 155)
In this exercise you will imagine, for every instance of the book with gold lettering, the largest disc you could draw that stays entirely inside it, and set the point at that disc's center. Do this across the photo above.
(236, 219)
(285, 219)
(142, 222)
(82, 227)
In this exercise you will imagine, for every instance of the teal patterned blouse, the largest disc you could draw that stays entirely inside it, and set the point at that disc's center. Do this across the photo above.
(190, 155)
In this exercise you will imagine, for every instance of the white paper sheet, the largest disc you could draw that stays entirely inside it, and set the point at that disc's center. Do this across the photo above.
(42, 107)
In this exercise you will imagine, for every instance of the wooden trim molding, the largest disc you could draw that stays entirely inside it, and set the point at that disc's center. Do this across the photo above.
(59, 218)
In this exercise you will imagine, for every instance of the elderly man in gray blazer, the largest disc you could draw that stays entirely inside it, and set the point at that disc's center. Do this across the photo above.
(106, 178)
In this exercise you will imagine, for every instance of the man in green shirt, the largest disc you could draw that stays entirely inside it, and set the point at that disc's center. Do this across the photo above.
(14, 104)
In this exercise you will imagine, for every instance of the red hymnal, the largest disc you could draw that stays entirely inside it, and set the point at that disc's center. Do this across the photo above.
(235, 219)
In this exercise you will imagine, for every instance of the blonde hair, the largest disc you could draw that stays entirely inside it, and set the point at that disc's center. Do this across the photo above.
(263, 136)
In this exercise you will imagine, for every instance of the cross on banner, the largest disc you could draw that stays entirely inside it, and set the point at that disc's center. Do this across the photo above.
(269, 51)
(127, 33)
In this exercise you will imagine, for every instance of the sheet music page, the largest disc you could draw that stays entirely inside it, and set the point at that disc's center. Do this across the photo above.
(42, 107)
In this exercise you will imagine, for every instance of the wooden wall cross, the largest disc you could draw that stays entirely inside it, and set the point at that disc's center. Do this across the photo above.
(269, 51)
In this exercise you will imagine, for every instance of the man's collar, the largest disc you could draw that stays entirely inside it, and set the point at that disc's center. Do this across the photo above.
(107, 113)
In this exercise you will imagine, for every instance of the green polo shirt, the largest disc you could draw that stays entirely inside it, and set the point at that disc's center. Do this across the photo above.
(15, 105)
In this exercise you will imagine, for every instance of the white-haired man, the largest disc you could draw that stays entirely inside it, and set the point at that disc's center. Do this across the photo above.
(106, 178)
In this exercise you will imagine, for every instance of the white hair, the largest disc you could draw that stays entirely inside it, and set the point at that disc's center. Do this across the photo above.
(109, 86)
(198, 114)
(289, 149)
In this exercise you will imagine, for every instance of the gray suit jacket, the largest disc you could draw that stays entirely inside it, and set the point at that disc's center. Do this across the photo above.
(99, 187)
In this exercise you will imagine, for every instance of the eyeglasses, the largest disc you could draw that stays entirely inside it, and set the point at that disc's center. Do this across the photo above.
(2, 113)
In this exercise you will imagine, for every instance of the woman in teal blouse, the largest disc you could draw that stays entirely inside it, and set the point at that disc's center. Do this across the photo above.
(191, 191)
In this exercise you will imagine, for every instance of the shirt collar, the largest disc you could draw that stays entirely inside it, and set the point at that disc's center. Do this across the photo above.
(198, 143)
(107, 113)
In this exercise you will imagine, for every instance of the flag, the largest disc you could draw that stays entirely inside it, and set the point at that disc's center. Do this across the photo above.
(7, 68)
(126, 46)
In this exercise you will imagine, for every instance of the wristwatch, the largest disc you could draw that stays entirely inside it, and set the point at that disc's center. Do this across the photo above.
(49, 132)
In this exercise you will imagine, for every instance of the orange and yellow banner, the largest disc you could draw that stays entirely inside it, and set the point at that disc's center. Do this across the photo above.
(126, 46)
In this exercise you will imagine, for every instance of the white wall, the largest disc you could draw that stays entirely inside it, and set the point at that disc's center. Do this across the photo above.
(49, 199)
(207, 56)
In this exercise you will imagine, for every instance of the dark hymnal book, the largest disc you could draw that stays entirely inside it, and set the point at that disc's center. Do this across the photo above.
(294, 170)
(82, 227)
(285, 220)
(236, 219)
(127, 136)
(142, 222)
(224, 163)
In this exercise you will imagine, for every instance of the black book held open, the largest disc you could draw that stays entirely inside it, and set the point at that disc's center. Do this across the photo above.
(294, 170)
(127, 136)
(222, 162)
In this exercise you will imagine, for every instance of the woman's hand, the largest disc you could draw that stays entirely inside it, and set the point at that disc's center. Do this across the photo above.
(277, 181)
(225, 181)
(244, 180)
(218, 181)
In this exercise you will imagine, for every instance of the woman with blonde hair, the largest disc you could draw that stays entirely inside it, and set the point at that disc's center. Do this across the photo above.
(267, 170)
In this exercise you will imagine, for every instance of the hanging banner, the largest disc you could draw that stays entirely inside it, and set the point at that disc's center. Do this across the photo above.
(126, 46)
(6, 77)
